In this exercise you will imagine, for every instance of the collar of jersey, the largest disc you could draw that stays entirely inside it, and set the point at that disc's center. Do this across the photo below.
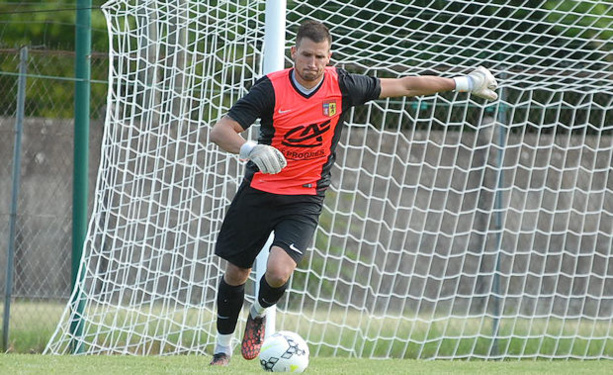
(294, 85)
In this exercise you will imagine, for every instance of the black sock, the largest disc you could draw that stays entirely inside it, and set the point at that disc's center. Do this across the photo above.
(268, 296)
(229, 303)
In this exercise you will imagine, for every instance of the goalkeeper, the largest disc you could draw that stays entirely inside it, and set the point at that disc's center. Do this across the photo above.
(301, 113)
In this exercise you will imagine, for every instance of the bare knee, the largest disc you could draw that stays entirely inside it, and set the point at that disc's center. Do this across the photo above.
(236, 275)
(279, 268)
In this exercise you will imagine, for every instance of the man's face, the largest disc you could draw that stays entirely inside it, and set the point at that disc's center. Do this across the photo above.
(310, 60)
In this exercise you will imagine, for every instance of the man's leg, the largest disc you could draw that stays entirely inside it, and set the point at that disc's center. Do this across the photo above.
(244, 232)
(230, 297)
(273, 284)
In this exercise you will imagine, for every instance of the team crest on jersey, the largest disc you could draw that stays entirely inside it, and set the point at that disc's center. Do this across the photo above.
(329, 108)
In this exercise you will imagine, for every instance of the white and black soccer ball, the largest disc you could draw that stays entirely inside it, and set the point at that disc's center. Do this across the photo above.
(284, 351)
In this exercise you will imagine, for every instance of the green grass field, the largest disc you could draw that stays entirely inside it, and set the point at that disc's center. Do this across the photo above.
(30, 333)
(465, 336)
(98, 365)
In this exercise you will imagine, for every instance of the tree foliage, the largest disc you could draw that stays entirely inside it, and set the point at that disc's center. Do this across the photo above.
(50, 25)
(47, 24)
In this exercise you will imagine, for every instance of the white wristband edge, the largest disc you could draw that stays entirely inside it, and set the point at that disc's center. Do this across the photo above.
(462, 84)
(246, 149)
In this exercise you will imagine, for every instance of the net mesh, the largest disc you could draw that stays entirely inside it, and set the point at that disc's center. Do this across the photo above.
(454, 228)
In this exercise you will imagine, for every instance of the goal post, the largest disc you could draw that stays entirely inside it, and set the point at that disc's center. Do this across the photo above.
(273, 60)
(454, 228)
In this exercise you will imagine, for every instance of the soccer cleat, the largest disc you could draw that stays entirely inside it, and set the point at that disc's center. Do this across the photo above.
(220, 359)
(254, 337)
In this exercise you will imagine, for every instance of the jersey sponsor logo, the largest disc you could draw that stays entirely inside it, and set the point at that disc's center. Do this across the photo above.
(285, 111)
(303, 155)
(306, 135)
(329, 108)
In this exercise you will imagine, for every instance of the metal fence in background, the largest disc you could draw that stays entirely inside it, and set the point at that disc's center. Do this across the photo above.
(36, 166)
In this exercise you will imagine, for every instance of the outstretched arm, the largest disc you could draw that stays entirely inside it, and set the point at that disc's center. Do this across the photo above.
(414, 86)
(479, 82)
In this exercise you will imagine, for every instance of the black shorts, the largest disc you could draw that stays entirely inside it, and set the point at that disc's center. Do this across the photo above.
(254, 214)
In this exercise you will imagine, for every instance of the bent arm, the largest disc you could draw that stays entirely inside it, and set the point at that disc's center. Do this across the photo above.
(226, 135)
(415, 86)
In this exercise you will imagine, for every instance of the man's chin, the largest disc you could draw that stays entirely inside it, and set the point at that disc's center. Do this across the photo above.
(311, 77)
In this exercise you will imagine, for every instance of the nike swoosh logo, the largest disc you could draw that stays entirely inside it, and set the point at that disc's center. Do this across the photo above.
(282, 112)
(293, 247)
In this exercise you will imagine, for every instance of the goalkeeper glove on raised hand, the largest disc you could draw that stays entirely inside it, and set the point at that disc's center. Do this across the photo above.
(479, 82)
(267, 158)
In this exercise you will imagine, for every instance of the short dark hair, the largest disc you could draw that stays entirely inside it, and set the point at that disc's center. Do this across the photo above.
(314, 30)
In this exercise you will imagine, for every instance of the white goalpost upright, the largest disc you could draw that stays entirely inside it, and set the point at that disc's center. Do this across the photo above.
(273, 60)
(454, 228)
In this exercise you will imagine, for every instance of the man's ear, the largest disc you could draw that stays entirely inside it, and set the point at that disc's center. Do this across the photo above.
(293, 52)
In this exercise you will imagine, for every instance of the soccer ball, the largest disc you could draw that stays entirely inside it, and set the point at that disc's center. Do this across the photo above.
(284, 351)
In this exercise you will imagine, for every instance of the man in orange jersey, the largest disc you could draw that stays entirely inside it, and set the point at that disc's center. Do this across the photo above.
(301, 112)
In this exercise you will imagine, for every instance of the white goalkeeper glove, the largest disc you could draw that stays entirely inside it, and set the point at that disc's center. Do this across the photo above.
(267, 158)
(479, 82)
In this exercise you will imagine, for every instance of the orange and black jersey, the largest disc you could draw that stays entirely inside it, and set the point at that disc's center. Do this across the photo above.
(305, 128)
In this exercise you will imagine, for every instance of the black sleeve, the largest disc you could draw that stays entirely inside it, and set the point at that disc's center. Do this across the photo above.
(358, 89)
(259, 102)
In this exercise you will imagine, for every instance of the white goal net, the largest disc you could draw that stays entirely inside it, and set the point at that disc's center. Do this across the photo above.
(454, 228)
